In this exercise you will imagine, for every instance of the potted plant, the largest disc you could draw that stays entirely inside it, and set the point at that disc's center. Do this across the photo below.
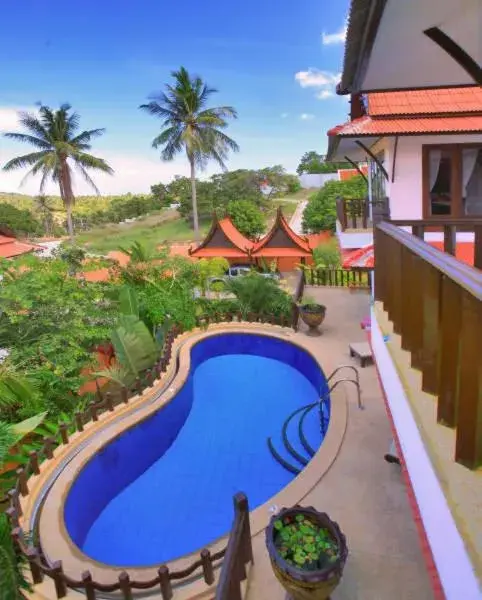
(313, 314)
(307, 552)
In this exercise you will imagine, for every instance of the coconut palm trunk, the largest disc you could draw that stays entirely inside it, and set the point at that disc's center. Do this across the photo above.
(195, 215)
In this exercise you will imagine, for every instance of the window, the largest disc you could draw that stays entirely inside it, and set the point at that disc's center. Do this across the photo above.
(452, 180)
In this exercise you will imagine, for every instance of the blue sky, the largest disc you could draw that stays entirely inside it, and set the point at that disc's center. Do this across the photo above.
(276, 62)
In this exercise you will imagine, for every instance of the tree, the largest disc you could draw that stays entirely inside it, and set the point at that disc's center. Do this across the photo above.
(19, 222)
(314, 163)
(242, 184)
(59, 148)
(190, 127)
(247, 217)
(43, 207)
(320, 212)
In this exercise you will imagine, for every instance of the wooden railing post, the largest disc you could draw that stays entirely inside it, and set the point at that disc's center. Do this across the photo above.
(450, 237)
(33, 561)
(207, 566)
(79, 421)
(125, 585)
(449, 343)
(241, 507)
(64, 433)
(22, 481)
(59, 579)
(15, 502)
(468, 445)
(431, 328)
(165, 583)
(48, 447)
(34, 463)
(93, 411)
(88, 585)
(478, 246)
(109, 402)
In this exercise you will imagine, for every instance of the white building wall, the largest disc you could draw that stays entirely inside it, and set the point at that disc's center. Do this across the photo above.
(405, 192)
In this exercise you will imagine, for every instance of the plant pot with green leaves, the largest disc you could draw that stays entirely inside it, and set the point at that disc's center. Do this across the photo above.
(308, 552)
(313, 314)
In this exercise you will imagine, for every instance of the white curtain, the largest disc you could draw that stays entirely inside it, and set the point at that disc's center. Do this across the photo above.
(469, 159)
(435, 157)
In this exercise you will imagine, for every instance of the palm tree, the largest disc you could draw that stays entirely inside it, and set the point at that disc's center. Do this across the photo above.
(190, 127)
(59, 148)
(43, 206)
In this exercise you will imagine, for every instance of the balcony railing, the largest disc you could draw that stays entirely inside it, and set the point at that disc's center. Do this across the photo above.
(354, 213)
(435, 304)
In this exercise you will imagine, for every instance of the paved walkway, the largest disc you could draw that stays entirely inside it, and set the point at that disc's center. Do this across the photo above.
(297, 218)
(362, 492)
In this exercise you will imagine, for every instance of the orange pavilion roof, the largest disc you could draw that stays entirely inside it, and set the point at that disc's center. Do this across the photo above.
(223, 239)
(282, 241)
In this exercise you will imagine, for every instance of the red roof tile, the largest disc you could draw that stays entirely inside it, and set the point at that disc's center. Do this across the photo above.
(425, 102)
(345, 174)
(11, 247)
(367, 126)
(365, 257)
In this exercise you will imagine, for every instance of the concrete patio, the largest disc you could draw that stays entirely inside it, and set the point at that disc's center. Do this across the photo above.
(363, 493)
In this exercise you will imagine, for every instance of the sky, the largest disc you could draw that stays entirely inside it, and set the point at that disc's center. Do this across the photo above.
(276, 61)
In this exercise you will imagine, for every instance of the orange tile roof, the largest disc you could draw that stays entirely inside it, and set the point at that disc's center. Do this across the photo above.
(121, 257)
(217, 252)
(11, 247)
(281, 224)
(425, 102)
(345, 174)
(100, 275)
(238, 240)
(367, 126)
(414, 112)
(365, 257)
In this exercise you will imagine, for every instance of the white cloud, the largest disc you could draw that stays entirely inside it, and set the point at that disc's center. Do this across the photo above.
(316, 78)
(307, 117)
(324, 94)
(328, 39)
(9, 117)
(131, 174)
(284, 115)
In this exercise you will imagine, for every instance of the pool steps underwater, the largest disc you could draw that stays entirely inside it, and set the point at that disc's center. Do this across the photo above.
(302, 413)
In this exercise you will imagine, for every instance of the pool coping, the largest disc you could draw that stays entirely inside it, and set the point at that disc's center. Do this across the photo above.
(55, 540)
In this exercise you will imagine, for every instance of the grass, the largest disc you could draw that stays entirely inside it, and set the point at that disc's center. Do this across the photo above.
(166, 226)
(151, 231)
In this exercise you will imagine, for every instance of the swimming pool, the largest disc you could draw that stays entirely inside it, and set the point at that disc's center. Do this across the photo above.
(164, 488)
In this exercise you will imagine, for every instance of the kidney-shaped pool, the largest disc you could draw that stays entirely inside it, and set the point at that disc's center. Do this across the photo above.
(164, 487)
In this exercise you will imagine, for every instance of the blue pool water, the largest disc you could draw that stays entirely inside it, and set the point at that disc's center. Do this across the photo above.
(164, 488)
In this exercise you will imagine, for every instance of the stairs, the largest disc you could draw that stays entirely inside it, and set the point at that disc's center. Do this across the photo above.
(304, 429)
(301, 435)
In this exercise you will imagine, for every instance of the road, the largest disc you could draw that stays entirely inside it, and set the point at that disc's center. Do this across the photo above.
(296, 219)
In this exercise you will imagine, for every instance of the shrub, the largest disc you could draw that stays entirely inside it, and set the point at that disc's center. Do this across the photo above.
(320, 213)
(327, 254)
(20, 222)
(260, 295)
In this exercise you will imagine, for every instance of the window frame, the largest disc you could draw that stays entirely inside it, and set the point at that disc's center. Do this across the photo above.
(455, 151)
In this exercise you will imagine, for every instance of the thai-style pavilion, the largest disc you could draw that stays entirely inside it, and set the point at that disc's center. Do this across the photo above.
(281, 244)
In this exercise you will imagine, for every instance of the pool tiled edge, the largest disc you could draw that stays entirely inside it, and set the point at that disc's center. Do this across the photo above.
(55, 540)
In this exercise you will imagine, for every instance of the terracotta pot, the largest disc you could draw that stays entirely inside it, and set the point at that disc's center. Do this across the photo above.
(313, 316)
(302, 584)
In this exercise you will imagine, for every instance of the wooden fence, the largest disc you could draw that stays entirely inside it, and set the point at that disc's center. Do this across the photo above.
(39, 567)
(349, 278)
(435, 304)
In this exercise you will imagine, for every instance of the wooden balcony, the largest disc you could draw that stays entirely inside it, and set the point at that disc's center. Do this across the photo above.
(354, 213)
(435, 304)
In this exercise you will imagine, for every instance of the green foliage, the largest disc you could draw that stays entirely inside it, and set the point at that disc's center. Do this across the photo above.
(51, 322)
(73, 256)
(19, 222)
(327, 254)
(12, 579)
(260, 295)
(209, 268)
(320, 213)
(303, 543)
(247, 218)
(314, 163)
(139, 252)
(15, 391)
